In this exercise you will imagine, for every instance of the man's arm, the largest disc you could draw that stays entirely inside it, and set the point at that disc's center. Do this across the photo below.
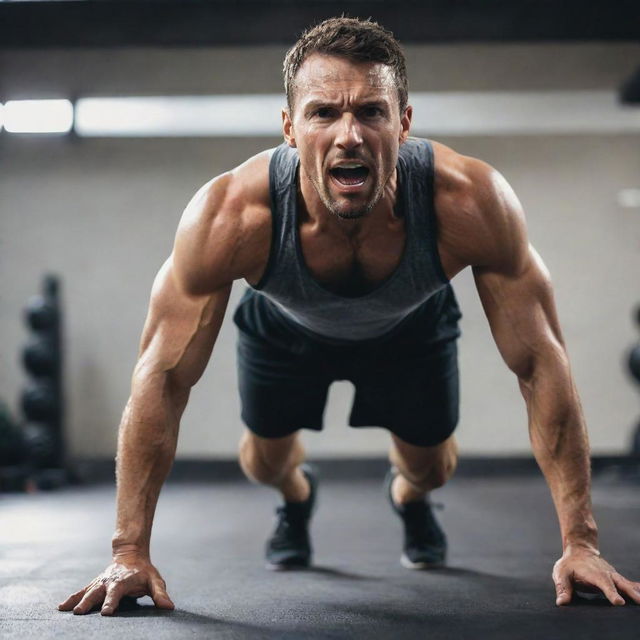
(177, 340)
(517, 296)
(220, 239)
(176, 345)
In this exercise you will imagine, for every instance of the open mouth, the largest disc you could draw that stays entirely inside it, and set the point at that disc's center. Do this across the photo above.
(350, 175)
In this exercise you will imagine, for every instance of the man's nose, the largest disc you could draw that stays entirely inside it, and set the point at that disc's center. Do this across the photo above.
(349, 135)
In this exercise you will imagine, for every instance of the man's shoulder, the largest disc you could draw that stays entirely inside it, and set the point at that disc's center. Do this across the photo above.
(458, 177)
(232, 192)
(459, 180)
(226, 226)
(475, 206)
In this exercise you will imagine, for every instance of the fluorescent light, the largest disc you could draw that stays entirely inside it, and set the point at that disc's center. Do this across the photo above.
(1, 115)
(521, 112)
(38, 116)
(224, 115)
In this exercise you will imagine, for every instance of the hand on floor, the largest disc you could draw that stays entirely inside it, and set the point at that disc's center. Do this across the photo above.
(126, 576)
(583, 569)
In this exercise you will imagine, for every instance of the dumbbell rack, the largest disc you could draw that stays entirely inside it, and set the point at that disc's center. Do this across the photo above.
(42, 399)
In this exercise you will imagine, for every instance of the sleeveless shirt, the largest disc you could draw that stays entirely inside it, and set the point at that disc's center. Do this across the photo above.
(297, 296)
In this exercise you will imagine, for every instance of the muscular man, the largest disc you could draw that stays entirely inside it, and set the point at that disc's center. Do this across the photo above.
(348, 235)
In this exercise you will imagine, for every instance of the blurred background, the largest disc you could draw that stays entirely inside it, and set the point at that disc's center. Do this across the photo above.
(542, 91)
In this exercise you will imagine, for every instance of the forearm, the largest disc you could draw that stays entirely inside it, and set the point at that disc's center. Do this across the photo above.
(146, 449)
(560, 444)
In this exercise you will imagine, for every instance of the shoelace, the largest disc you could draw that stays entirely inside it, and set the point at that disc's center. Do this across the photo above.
(289, 522)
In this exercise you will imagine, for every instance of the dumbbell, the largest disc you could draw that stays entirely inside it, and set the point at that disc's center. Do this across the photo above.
(41, 314)
(40, 401)
(40, 356)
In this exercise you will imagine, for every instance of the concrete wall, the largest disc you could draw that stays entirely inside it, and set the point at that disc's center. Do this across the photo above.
(102, 213)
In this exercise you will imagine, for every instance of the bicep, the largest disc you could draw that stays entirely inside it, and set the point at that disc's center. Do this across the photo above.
(521, 311)
(180, 329)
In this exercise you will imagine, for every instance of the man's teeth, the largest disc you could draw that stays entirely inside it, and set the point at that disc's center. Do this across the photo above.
(350, 173)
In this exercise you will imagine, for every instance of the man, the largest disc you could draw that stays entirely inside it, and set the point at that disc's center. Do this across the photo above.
(349, 234)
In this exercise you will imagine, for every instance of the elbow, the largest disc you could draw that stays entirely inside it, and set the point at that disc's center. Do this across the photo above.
(525, 364)
(153, 385)
(524, 368)
(179, 390)
(148, 376)
(548, 359)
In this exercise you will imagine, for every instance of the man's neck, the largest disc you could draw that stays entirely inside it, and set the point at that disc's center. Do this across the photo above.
(314, 212)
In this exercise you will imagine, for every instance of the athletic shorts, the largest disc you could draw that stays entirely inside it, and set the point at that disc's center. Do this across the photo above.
(405, 381)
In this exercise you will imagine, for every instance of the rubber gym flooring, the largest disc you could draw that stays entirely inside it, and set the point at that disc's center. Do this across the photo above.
(208, 540)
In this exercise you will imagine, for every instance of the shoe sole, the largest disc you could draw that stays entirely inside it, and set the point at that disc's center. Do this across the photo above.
(418, 566)
(286, 567)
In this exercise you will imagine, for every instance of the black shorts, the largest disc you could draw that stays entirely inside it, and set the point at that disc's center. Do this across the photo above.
(405, 381)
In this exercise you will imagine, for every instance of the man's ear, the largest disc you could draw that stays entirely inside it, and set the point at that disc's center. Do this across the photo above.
(405, 122)
(287, 128)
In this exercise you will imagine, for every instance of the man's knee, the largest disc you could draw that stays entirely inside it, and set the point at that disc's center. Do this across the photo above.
(426, 468)
(431, 476)
(439, 473)
(268, 460)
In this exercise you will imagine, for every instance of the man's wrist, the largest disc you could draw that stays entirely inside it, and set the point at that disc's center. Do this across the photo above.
(583, 537)
(580, 547)
(120, 550)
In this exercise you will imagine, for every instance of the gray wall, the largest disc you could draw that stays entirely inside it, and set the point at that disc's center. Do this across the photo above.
(102, 214)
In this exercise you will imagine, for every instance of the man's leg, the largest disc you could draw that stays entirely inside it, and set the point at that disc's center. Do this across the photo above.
(418, 470)
(421, 469)
(282, 387)
(275, 462)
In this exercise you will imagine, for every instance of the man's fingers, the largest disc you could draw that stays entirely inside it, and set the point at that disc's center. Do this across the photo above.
(119, 580)
(93, 597)
(115, 591)
(72, 600)
(608, 587)
(632, 589)
(160, 596)
(564, 589)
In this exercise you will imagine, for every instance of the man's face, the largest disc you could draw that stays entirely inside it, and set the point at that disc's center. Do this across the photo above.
(347, 128)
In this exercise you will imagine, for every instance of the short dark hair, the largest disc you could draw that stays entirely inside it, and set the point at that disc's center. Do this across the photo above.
(351, 38)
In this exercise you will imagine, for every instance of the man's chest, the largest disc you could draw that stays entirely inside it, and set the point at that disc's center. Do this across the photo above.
(352, 265)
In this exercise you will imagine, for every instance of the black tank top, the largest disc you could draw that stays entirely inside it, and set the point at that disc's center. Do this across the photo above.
(294, 293)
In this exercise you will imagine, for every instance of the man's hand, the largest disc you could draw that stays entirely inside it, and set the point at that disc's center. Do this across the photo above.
(583, 569)
(126, 576)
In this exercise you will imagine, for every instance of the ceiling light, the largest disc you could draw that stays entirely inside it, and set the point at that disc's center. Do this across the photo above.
(38, 116)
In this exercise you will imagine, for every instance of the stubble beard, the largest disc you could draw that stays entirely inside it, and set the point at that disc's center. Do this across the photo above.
(352, 214)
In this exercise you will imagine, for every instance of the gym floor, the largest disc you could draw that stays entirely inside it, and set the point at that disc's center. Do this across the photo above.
(208, 540)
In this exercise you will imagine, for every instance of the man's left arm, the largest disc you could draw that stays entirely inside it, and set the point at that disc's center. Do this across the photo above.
(517, 296)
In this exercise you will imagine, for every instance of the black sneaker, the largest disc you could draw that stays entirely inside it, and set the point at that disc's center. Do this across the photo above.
(425, 545)
(290, 546)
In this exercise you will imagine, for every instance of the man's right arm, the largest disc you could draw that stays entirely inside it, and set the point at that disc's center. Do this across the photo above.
(176, 344)
(177, 340)
(215, 245)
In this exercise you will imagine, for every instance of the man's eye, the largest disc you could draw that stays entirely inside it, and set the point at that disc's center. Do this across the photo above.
(372, 112)
(324, 112)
